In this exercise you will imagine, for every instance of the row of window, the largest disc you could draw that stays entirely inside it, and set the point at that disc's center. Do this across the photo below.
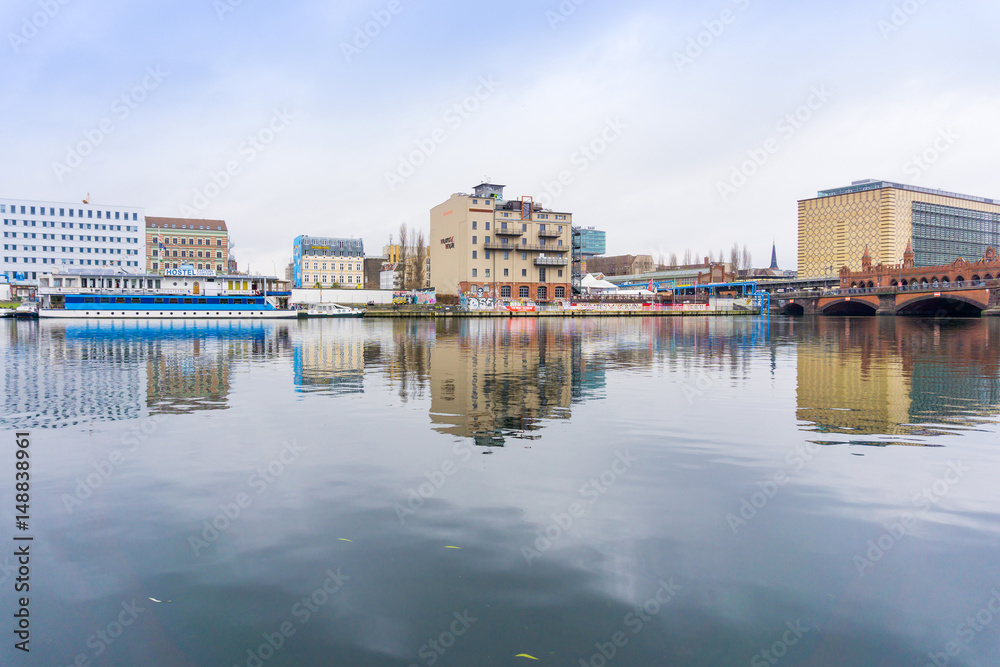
(154, 300)
(184, 241)
(310, 279)
(30, 210)
(524, 273)
(333, 266)
(185, 253)
(524, 292)
(71, 237)
(68, 249)
(70, 225)
(81, 262)
(166, 265)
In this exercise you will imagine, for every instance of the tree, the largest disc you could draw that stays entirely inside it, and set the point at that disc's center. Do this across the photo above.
(734, 257)
(673, 259)
(419, 261)
(688, 257)
(404, 241)
(747, 260)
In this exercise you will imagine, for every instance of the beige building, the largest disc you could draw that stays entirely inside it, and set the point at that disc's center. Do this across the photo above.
(394, 251)
(621, 265)
(172, 242)
(485, 245)
(835, 227)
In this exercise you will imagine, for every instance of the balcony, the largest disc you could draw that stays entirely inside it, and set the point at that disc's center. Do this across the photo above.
(550, 261)
(508, 232)
(524, 247)
(549, 233)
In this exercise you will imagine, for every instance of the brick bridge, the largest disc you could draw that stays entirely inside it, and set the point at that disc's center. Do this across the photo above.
(953, 300)
(959, 289)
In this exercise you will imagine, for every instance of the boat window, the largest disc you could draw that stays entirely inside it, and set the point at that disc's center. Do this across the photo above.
(202, 300)
(119, 300)
(157, 300)
(188, 300)
(88, 299)
(105, 299)
(223, 300)
(237, 300)
(174, 301)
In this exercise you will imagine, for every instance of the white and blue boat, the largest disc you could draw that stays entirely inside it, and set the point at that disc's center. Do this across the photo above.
(179, 294)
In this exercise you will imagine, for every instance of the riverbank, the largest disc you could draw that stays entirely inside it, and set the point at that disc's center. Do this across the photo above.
(433, 313)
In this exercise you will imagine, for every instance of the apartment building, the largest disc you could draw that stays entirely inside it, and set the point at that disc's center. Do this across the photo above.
(38, 236)
(327, 261)
(172, 242)
(482, 244)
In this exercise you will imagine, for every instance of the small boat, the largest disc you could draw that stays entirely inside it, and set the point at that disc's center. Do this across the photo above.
(332, 310)
(26, 311)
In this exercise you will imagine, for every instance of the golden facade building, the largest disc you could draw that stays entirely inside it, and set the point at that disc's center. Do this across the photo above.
(172, 242)
(835, 226)
(483, 244)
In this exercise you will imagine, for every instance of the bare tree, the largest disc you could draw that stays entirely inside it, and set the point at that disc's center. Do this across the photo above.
(747, 260)
(673, 259)
(734, 258)
(420, 261)
(688, 256)
(404, 240)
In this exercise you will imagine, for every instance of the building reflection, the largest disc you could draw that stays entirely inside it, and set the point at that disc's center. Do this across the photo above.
(895, 376)
(494, 379)
(329, 362)
(59, 374)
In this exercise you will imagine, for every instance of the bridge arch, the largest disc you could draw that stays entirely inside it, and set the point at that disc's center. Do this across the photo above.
(946, 305)
(846, 307)
(793, 310)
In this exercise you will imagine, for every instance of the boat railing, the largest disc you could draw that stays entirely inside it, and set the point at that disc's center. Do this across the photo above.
(112, 291)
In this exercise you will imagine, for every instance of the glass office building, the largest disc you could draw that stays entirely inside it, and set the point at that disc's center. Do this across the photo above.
(942, 234)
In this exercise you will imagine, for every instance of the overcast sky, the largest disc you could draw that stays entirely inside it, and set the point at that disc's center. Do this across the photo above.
(326, 130)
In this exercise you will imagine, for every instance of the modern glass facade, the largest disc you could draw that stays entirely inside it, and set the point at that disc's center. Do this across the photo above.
(942, 234)
(589, 242)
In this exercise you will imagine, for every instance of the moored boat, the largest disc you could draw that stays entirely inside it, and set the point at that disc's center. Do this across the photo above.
(103, 294)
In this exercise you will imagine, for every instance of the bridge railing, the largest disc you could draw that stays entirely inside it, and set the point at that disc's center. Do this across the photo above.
(893, 289)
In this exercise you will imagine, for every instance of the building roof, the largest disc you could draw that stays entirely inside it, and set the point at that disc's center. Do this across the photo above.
(186, 224)
(875, 184)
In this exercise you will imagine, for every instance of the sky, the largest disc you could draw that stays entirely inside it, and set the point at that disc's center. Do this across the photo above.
(670, 125)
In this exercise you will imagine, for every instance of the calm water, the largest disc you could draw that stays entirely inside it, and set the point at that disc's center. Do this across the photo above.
(664, 492)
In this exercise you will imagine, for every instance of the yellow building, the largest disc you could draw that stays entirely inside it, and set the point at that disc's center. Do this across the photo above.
(484, 245)
(835, 226)
(172, 242)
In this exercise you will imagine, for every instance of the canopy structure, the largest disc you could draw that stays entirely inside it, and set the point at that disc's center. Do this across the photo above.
(596, 284)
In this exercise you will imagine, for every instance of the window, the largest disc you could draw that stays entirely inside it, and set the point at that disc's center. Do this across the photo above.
(524, 273)
(522, 291)
(506, 272)
(524, 228)
(560, 273)
(543, 292)
(474, 239)
(524, 255)
(560, 292)
(487, 227)
(506, 255)
(473, 254)
(487, 254)
(505, 292)
(474, 273)
(474, 226)
(487, 273)
(541, 275)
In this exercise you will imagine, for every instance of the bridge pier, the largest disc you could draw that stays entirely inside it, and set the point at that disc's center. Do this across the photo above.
(886, 305)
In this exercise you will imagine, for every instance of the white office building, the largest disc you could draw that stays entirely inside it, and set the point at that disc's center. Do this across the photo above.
(41, 237)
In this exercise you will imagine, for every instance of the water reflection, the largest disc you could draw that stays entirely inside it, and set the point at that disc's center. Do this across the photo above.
(59, 374)
(896, 376)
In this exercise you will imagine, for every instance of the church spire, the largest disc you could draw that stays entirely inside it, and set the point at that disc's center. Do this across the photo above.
(774, 256)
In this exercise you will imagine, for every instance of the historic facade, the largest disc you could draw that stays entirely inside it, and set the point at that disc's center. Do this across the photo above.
(906, 274)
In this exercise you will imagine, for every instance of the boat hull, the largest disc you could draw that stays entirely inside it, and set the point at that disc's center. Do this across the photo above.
(167, 314)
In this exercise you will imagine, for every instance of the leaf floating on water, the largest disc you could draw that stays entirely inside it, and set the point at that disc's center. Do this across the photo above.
(525, 655)
(160, 601)
(453, 547)
(344, 539)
